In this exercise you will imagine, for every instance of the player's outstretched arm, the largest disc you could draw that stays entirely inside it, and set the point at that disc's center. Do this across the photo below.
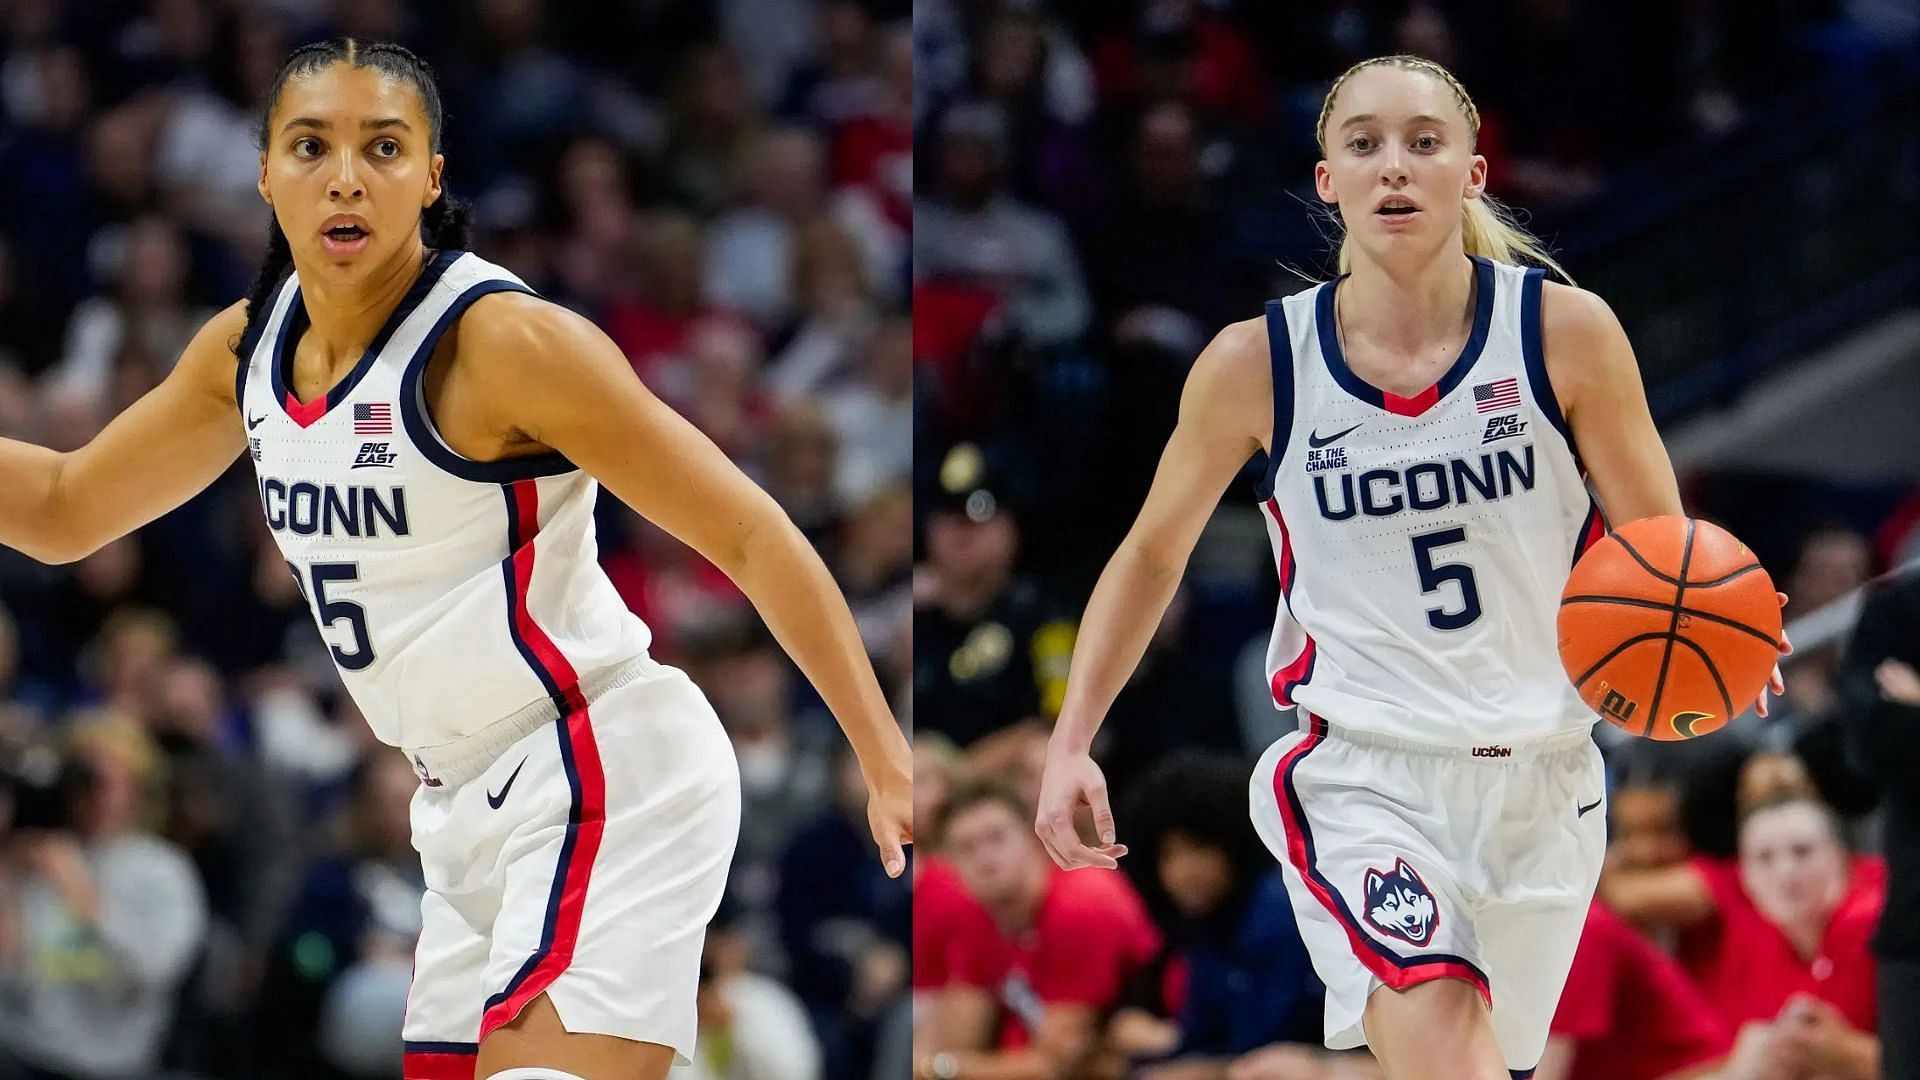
(1226, 413)
(558, 380)
(169, 445)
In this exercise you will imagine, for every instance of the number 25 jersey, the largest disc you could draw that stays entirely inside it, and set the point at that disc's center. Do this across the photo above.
(1423, 542)
(451, 593)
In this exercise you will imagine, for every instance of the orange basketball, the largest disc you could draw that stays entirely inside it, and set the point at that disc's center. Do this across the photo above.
(1668, 627)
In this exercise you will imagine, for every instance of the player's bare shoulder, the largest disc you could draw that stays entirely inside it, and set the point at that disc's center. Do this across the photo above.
(1584, 345)
(211, 355)
(1230, 389)
(511, 340)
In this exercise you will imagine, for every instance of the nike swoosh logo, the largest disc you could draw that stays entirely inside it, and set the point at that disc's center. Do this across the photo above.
(494, 800)
(1589, 806)
(1316, 441)
(253, 423)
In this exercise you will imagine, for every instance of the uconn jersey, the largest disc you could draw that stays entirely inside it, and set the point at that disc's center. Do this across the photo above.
(1423, 542)
(451, 593)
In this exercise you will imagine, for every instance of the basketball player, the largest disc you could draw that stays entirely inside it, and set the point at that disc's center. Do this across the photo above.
(1430, 419)
(427, 435)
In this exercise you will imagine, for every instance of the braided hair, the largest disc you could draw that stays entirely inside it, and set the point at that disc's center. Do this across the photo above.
(1487, 228)
(448, 221)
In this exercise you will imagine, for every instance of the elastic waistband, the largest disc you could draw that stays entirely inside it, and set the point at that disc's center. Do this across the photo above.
(1546, 745)
(454, 763)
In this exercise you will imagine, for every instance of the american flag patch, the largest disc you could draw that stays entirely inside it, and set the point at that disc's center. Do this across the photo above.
(377, 419)
(1498, 394)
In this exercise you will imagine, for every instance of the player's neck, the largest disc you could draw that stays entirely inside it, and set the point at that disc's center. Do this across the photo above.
(345, 315)
(1405, 309)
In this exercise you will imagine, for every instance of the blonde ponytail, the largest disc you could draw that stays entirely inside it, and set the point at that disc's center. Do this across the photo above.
(1487, 229)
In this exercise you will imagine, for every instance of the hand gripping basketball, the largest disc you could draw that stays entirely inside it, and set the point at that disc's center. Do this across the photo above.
(1070, 781)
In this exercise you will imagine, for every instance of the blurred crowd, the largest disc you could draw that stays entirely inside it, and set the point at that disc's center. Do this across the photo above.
(205, 867)
(1098, 198)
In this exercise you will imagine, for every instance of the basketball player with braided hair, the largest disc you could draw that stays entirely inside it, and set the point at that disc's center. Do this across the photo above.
(429, 437)
(1431, 419)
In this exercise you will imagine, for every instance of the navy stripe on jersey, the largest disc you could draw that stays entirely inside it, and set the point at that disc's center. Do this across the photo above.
(1336, 360)
(1280, 355)
(413, 409)
(1535, 356)
(296, 320)
(519, 534)
(250, 341)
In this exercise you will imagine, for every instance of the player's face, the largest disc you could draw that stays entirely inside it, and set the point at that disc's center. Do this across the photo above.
(1196, 876)
(992, 850)
(1792, 865)
(1398, 134)
(349, 166)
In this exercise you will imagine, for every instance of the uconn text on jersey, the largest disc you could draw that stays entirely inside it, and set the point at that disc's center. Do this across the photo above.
(309, 509)
(1428, 485)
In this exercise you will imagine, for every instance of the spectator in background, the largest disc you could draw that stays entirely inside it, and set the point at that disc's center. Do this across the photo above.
(837, 314)
(347, 941)
(1160, 278)
(969, 232)
(875, 569)
(715, 127)
(750, 248)
(1833, 561)
(845, 926)
(1780, 935)
(1629, 1012)
(1214, 889)
(873, 414)
(987, 653)
(802, 457)
(1880, 690)
(751, 1026)
(119, 348)
(786, 761)
(1039, 961)
(100, 919)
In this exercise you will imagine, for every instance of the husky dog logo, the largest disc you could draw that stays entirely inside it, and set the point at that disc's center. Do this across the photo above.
(1399, 903)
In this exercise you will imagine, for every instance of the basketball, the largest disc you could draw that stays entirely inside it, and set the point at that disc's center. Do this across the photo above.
(1668, 627)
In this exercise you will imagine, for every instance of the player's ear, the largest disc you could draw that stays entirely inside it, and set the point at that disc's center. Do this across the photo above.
(261, 183)
(1323, 183)
(1476, 178)
(433, 180)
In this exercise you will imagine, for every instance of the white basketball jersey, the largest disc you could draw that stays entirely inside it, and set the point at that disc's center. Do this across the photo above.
(452, 593)
(1423, 542)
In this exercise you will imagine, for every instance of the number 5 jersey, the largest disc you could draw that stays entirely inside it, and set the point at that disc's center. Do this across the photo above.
(1423, 541)
(452, 594)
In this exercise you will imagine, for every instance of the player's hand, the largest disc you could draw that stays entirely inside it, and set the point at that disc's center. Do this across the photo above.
(890, 814)
(1775, 683)
(1070, 781)
(1898, 681)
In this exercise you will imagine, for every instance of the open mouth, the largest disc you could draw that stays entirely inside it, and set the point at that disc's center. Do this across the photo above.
(345, 233)
(1398, 210)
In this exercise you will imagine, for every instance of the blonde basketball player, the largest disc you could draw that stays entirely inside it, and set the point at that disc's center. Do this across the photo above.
(1431, 419)
(428, 436)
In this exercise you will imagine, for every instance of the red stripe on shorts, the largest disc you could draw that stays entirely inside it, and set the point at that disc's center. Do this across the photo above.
(1372, 955)
(437, 1066)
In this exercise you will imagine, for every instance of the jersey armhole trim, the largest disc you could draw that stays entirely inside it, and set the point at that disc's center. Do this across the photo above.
(1280, 361)
(426, 437)
(250, 342)
(1535, 356)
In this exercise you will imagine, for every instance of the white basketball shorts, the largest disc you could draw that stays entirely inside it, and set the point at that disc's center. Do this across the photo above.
(1408, 862)
(584, 863)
